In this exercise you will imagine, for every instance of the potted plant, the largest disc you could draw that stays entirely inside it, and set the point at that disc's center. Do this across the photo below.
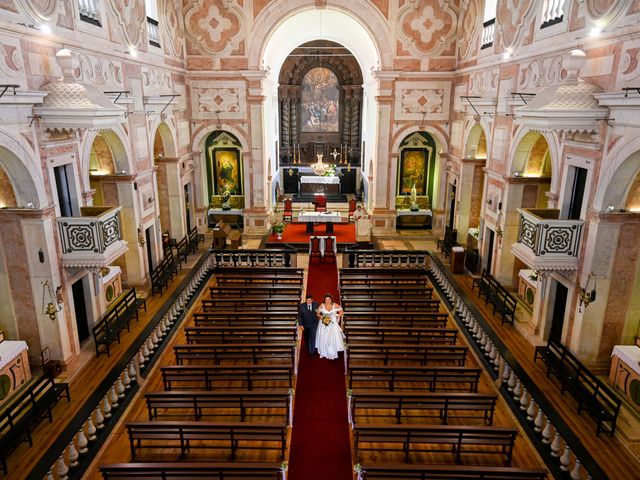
(278, 229)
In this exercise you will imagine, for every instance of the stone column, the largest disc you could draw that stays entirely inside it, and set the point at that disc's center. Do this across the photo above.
(504, 259)
(135, 272)
(171, 196)
(469, 196)
(31, 257)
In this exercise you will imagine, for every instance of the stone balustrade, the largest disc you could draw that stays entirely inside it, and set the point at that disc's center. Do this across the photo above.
(488, 33)
(552, 12)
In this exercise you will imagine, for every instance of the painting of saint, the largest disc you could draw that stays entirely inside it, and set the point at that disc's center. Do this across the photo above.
(413, 171)
(227, 168)
(320, 101)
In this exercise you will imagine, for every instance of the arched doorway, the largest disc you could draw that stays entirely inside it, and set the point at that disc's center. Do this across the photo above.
(416, 180)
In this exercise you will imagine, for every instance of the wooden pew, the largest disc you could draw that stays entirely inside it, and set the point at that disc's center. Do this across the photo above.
(389, 275)
(386, 292)
(217, 353)
(249, 290)
(398, 406)
(236, 305)
(412, 377)
(245, 319)
(388, 335)
(191, 470)
(372, 471)
(233, 276)
(397, 305)
(384, 280)
(213, 377)
(409, 439)
(241, 404)
(232, 436)
(398, 319)
(372, 353)
(241, 334)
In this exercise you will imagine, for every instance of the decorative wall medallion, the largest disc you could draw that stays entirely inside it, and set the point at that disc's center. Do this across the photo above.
(605, 12)
(484, 83)
(215, 25)
(427, 26)
(540, 73)
(111, 230)
(469, 20)
(513, 17)
(422, 100)
(218, 99)
(39, 11)
(99, 71)
(131, 19)
(173, 27)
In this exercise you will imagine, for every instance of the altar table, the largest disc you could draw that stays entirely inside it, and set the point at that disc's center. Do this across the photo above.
(414, 219)
(625, 372)
(328, 218)
(14, 367)
(310, 184)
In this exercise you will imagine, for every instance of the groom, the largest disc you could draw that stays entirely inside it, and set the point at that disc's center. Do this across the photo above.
(308, 319)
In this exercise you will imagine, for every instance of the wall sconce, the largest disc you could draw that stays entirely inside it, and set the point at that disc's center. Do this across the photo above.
(141, 241)
(588, 295)
(50, 308)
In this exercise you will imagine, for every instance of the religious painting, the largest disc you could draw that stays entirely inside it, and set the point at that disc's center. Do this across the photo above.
(320, 101)
(227, 171)
(413, 171)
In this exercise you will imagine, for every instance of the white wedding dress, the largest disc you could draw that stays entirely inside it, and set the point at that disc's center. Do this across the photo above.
(329, 338)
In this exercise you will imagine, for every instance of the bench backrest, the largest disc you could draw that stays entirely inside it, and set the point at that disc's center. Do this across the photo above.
(182, 470)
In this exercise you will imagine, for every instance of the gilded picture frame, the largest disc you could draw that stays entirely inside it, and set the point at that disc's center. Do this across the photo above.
(227, 170)
(414, 170)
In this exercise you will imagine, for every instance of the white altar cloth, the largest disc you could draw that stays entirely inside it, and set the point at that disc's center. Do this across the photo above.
(320, 217)
(629, 354)
(405, 213)
(219, 211)
(319, 180)
(10, 350)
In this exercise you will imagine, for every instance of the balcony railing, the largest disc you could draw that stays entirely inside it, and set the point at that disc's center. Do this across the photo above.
(546, 242)
(89, 11)
(153, 31)
(552, 12)
(93, 239)
(488, 32)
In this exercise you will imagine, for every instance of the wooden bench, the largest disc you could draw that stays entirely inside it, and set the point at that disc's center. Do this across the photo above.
(183, 249)
(242, 404)
(163, 273)
(402, 404)
(413, 377)
(448, 242)
(447, 472)
(191, 470)
(250, 290)
(217, 353)
(415, 438)
(385, 278)
(397, 305)
(388, 335)
(246, 305)
(422, 355)
(184, 436)
(245, 319)
(590, 392)
(24, 412)
(194, 239)
(264, 276)
(119, 316)
(209, 377)
(386, 294)
(241, 334)
(504, 304)
(398, 319)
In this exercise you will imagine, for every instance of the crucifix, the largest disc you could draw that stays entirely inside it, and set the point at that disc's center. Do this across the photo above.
(334, 154)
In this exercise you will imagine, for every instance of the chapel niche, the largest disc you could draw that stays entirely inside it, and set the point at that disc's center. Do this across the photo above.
(320, 105)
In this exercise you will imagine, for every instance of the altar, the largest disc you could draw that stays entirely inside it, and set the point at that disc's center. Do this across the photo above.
(311, 184)
(625, 372)
(328, 218)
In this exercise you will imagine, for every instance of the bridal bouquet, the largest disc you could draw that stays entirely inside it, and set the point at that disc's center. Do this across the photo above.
(326, 320)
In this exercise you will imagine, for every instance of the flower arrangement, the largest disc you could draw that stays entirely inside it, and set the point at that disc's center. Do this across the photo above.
(278, 227)
(330, 171)
(326, 320)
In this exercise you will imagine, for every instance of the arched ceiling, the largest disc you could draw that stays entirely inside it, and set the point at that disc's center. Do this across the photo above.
(320, 53)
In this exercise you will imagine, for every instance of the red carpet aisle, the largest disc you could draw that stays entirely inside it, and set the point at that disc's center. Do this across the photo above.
(320, 445)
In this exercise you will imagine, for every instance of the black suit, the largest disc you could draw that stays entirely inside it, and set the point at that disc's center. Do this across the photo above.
(309, 320)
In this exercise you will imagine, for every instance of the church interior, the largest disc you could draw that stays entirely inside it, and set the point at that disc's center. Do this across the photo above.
(461, 177)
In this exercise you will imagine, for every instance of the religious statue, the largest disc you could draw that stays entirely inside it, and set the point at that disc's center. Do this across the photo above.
(414, 199)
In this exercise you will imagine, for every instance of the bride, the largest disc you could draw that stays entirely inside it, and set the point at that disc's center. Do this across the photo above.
(329, 336)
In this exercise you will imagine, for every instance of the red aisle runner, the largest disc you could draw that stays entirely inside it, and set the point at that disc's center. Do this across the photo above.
(320, 445)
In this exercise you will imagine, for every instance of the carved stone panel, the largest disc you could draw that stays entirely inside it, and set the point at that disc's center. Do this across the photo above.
(422, 100)
(214, 25)
(218, 99)
(427, 26)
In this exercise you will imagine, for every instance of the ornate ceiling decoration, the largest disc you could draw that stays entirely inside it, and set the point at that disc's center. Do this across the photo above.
(604, 12)
(427, 26)
(513, 18)
(215, 25)
(174, 28)
(469, 22)
(39, 11)
(131, 19)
